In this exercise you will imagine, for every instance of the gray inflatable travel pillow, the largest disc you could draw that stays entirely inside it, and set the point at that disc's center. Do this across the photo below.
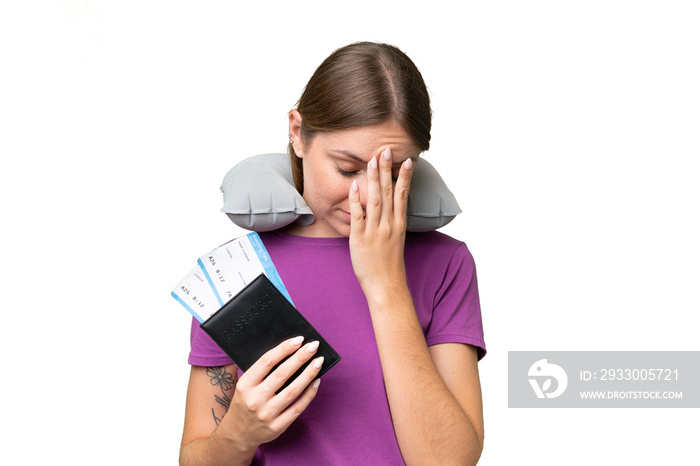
(259, 195)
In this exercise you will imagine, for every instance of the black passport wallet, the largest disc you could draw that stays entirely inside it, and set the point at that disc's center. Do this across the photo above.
(259, 318)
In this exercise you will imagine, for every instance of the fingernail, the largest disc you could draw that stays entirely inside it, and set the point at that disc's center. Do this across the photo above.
(354, 186)
(373, 163)
(316, 383)
(312, 347)
(318, 362)
(296, 341)
(408, 164)
(387, 155)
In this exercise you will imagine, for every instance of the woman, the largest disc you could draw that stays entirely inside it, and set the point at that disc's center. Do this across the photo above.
(401, 308)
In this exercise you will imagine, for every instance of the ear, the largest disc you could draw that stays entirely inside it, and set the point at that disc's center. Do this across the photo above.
(295, 133)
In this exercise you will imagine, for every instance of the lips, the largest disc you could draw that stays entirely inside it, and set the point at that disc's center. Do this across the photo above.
(347, 215)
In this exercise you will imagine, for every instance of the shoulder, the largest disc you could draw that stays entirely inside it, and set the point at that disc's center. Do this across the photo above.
(436, 253)
(435, 244)
(434, 238)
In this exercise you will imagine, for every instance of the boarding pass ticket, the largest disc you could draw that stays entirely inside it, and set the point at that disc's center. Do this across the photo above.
(222, 273)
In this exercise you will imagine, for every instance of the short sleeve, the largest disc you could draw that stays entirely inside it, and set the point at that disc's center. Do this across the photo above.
(203, 350)
(456, 308)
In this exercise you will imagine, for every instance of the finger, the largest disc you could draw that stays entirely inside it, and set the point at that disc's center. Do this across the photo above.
(292, 411)
(386, 184)
(257, 372)
(357, 216)
(279, 376)
(402, 189)
(374, 199)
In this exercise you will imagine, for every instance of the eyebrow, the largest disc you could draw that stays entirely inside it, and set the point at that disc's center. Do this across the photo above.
(355, 157)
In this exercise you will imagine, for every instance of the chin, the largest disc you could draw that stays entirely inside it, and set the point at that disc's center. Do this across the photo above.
(339, 225)
(320, 228)
(342, 229)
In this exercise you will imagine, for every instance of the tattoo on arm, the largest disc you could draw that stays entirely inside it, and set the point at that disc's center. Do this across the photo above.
(216, 419)
(219, 376)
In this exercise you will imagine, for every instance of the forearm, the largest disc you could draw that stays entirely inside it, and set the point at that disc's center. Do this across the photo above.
(431, 426)
(215, 450)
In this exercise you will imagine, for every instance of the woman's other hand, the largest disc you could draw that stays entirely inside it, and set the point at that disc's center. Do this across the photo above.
(257, 414)
(256, 410)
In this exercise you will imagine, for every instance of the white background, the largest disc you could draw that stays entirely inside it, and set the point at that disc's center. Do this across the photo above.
(569, 132)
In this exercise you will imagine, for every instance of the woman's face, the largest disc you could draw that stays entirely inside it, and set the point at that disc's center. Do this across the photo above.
(333, 160)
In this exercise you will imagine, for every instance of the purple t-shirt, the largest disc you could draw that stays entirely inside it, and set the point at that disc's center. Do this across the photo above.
(349, 420)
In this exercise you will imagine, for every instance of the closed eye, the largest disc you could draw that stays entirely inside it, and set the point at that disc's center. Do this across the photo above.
(353, 173)
(347, 174)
